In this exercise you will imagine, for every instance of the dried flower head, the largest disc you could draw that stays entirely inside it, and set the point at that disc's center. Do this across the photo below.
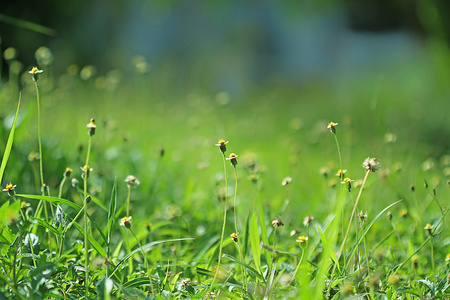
(308, 220)
(91, 127)
(232, 159)
(332, 127)
(362, 216)
(132, 181)
(10, 189)
(35, 73)
(302, 239)
(126, 221)
(234, 236)
(277, 223)
(371, 164)
(286, 180)
(222, 145)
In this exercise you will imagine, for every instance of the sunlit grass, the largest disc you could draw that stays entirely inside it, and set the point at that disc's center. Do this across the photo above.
(166, 138)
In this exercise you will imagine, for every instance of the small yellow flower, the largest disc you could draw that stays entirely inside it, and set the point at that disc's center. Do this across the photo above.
(286, 180)
(91, 127)
(86, 170)
(447, 258)
(10, 189)
(35, 72)
(332, 127)
(132, 181)
(348, 181)
(232, 159)
(126, 221)
(234, 236)
(429, 228)
(222, 145)
(371, 164)
(302, 239)
(340, 173)
(67, 172)
(403, 213)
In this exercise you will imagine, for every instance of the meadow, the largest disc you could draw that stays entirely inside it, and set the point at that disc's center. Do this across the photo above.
(143, 184)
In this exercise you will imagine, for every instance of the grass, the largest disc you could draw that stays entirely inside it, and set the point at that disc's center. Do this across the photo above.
(163, 138)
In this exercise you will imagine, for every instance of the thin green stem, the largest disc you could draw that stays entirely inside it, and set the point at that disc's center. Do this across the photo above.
(237, 230)
(39, 137)
(298, 266)
(128, 200)
(145, 260)
(86, 229)
(340, 157)
(223, 224)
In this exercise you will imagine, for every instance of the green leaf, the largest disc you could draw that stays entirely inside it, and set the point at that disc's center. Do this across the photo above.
(51, 200)
(111, 218)
(145, 248)
(9, 143)
(254, 273)
(328, 249)
(9, 213)
(255, 243)
(92, 241)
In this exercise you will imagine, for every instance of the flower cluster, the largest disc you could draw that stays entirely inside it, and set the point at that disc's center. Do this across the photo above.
(371, 164)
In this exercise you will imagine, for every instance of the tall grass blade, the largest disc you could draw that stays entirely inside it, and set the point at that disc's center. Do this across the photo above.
(9, 143)
(255, 243)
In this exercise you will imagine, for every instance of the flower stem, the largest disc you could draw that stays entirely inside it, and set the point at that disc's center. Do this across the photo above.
(86, 229)
(236, 228)
(145, 260)
(224, 222)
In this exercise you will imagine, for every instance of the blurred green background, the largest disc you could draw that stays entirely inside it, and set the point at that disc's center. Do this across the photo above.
(268, 76)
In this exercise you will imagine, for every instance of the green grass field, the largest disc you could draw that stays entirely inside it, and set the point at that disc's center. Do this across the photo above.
(296, 240)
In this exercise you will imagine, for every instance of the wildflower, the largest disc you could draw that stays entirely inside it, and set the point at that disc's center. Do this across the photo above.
(222, 145)
(403, 213)
(35, 72)
(277, 223)
(234, 236)
(75, 182)
(302, 239)
(10, 189)
(67, 172)
(348, 181)
(132, 181)
(33, 156)
(362, 217)
(126, 221)
(294, 232)
(412, 187)
(389, 215)
(24, 205)
(447, 258)
(232, 159)
(332, 127)
(286, 180)
(91, 127)
(253, 178)
(428, 228)
(308, 220)
(340, 173)
(371, 164)
(86, 170)
(324, 171)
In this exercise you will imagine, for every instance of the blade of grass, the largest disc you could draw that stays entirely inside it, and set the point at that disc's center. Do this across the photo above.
(93, 242)
(9, 143)
(145, 248)
(255, 243)
(111, 217)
